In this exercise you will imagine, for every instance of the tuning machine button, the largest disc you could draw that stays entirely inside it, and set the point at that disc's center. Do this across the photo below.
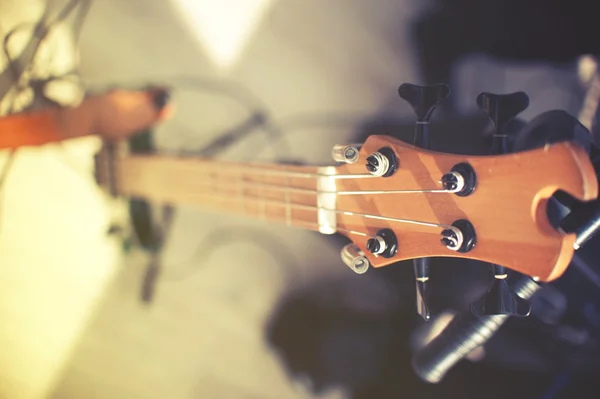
(423, 100)
(385, 244)
(502, 109)
(501, 300)
(355, 259)
(382, 163)
(345, 153)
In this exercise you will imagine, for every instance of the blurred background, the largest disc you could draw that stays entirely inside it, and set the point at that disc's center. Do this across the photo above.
(248, 310)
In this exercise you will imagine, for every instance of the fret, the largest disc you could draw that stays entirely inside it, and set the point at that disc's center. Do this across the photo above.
(240, 190)
(262, 204)
(288, 209)
(247, 190)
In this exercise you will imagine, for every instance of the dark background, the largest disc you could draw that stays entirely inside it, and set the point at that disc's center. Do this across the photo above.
(551, 354)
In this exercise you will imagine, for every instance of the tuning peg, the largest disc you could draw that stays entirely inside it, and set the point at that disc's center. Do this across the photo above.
(501, 109)
(423, 100)
(501, 300)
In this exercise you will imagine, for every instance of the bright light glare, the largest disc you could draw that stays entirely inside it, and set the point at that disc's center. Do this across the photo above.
(223, 27)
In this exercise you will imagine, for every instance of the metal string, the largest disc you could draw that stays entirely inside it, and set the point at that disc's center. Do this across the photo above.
(286, 188)
(317, 208)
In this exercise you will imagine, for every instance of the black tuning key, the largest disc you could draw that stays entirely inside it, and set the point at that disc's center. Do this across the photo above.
(502, 109)
(423, 100)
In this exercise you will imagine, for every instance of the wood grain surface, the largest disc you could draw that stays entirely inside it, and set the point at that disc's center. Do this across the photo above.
(507, 208)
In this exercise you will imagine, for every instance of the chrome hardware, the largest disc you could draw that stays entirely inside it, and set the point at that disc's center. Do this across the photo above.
(345, 153)
(355, 259)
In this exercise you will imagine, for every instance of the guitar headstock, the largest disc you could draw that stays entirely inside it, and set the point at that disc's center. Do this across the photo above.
(397, 202)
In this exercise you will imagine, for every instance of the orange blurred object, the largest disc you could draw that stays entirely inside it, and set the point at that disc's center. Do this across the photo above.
(114, 115)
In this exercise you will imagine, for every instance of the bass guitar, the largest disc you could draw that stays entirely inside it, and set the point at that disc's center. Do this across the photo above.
(393, 200)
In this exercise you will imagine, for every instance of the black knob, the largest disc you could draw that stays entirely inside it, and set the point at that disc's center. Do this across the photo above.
(502, 108)
(424, 99)
(501, 300)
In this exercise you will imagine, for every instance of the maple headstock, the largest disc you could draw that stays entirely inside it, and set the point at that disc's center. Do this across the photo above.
(492, 208)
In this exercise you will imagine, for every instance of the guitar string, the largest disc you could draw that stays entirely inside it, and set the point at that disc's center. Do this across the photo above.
(307, 175)
(265, 171)
(244, 196)
(214, 175)
(287, 189)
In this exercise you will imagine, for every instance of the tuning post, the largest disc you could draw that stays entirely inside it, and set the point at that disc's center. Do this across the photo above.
(376, 245)
(461, 180)
(382, 163)
(452, 238)
(355, 259)
(345, 153)
(377, 164)
(459, 237)
(453, 182)
(385, 244)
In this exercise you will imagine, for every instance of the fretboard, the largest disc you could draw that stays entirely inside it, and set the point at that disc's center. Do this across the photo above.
(279, 193)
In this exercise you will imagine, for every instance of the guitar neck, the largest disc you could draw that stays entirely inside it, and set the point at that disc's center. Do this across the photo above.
(279, 193)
